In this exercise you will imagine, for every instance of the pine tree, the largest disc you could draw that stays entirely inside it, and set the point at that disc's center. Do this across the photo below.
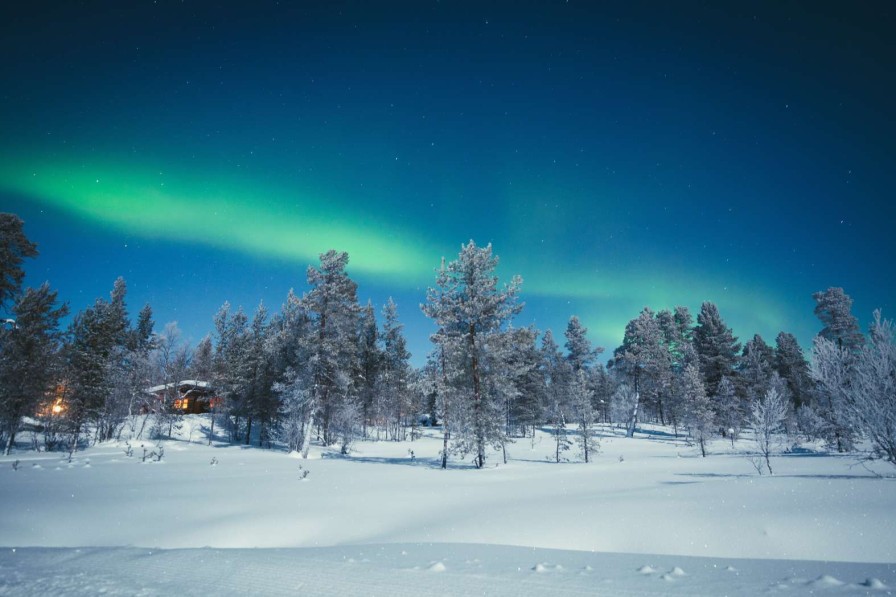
(716, 346)
(289, 350)
(756, 367)
(332, 305)
(14, 249)
(231, 356)
(96, 356)
(834, 308)
(473, 311)
(28, 358)
(678, 342)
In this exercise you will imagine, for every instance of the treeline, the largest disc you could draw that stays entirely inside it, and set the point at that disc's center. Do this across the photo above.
(323, 369)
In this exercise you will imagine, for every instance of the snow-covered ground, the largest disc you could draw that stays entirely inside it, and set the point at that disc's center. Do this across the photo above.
(649, 516)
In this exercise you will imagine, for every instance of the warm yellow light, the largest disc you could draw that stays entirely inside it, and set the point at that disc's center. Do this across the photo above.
(57, 408)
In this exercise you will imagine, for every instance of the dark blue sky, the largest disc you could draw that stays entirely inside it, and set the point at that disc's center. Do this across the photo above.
(616, 156)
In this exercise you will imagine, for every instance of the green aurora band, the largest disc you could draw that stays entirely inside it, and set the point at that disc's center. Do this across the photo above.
(224, 214)
(271, 221)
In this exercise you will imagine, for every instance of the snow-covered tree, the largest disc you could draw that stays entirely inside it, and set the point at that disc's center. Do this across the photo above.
(557, 380)
(526, 408)
(622, 403)
(643, 361)
(768, 417)
(861, 385)
(96, 354)
(728, 410)
(332, 305)
(699, 415)
(231, 354)
(834, 308)
(579, 352)
(289, 350)
(395, 374)
(171, 358)
(581, 398)
(373, 409)
(756, 367)
(471, 310)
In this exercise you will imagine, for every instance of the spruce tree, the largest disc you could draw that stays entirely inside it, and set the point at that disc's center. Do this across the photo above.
(579, 351)
(716, 346)
(792, 366)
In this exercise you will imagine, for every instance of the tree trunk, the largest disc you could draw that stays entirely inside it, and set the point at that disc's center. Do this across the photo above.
(478, 423)
(630, 432)
(9, 442)
(306, 437)
(585, 437)
(445, 447)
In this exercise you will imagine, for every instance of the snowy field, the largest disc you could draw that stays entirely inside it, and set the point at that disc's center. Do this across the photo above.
(648, 517)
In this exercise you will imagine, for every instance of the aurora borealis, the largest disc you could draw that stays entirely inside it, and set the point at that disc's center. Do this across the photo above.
(615, 156)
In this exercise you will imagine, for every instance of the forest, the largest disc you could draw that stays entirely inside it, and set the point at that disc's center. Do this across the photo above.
(327, 369)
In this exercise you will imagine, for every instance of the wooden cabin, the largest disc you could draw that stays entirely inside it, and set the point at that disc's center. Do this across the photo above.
(190, 396)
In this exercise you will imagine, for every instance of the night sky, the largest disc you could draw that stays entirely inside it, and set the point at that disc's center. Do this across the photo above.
(615, 156)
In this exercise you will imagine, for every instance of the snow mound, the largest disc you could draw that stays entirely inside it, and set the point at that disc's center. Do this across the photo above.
(647, 569)
(677, 572)
(826, 580)
(437, 567)
(545, 567)
(876, 584)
